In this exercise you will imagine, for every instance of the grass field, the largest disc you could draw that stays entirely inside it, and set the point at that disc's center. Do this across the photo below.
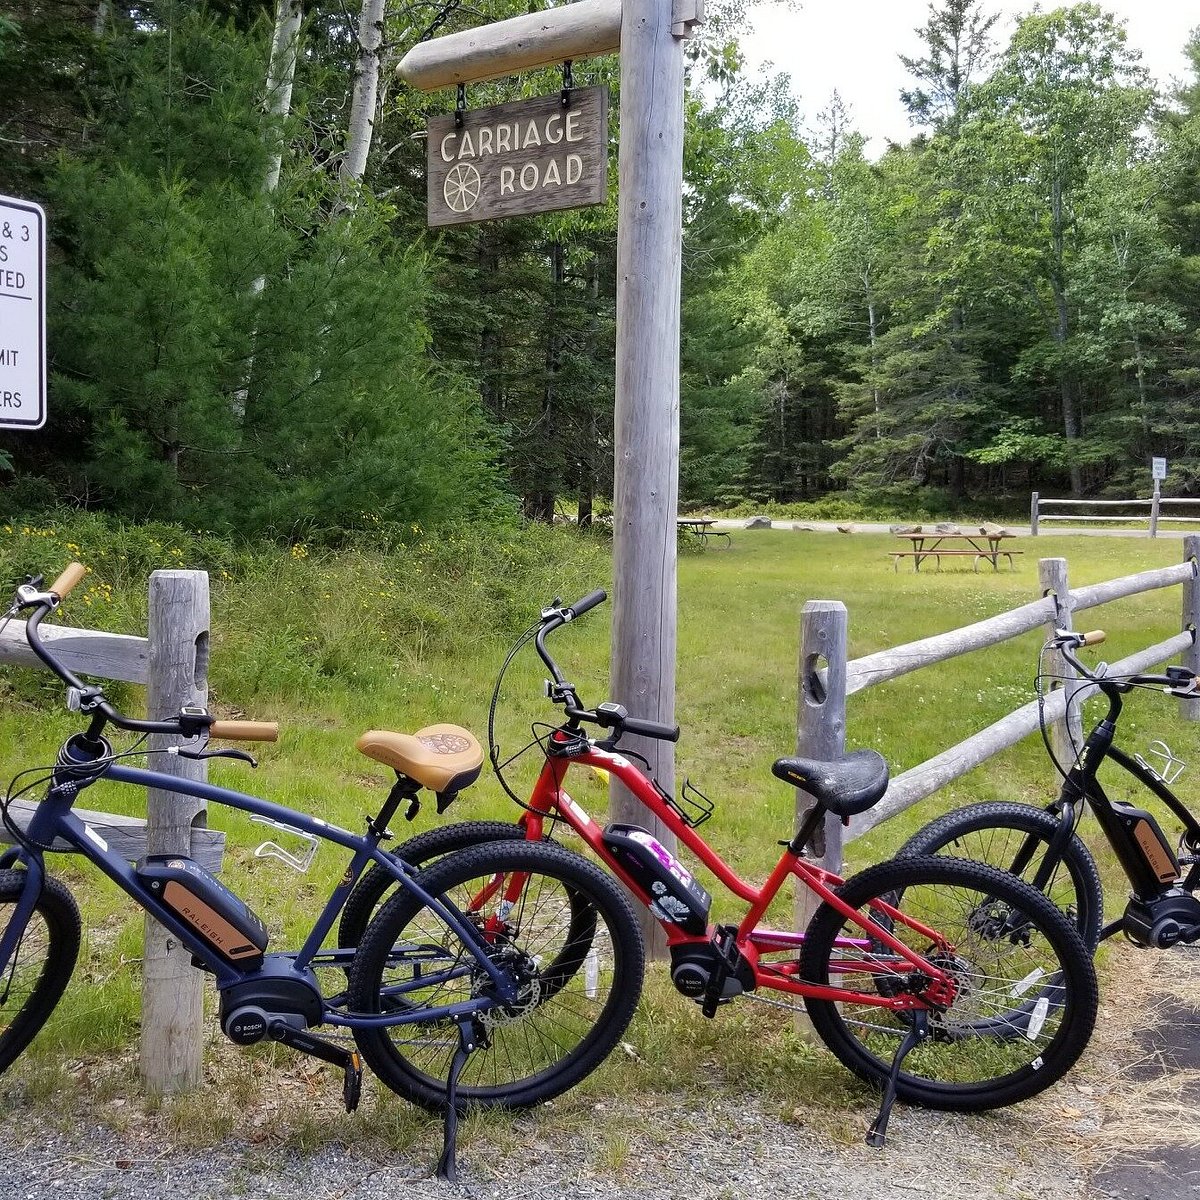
(333, 644)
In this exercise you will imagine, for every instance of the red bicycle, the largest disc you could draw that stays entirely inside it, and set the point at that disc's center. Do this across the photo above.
(950, 983)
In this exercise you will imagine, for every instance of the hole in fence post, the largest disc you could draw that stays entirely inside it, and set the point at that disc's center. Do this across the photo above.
(815, 692)
(200, 667)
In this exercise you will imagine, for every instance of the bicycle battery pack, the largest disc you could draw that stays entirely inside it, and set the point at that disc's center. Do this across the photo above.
(675, 896)
(207, 905)
(1157, 859)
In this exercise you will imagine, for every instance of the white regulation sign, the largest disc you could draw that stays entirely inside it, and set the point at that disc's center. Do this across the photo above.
(22, 314)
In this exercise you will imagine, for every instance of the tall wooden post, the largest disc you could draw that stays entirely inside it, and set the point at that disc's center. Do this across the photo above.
(172, 1008)
(646, 492)
(1033, 515)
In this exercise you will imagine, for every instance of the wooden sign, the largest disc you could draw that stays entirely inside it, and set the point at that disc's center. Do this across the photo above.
(510, 160)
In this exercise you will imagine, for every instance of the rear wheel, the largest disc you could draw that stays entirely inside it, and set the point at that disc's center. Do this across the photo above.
(418, 851)
(565, 1019)
(1016, 838)
(37, 974)
(1026, 994)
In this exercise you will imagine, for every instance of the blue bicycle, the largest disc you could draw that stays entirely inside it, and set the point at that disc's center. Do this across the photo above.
(507, 1004)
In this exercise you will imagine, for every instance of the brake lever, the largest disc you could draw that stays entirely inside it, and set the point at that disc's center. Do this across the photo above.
(223, 752)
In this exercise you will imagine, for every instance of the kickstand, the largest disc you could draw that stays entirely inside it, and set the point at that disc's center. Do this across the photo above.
(918, 1032)
(447, 1167)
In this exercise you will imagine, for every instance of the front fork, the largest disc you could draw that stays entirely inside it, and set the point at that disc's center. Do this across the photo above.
(14, 931)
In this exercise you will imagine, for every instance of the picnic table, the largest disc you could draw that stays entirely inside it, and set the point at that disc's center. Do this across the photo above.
(703, 528)
(938, 545)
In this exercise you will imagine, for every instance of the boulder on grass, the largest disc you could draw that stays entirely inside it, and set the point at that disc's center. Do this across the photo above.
(758, 523)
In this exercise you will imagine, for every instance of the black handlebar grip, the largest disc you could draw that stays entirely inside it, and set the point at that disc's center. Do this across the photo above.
(587, 603)
(651, 729)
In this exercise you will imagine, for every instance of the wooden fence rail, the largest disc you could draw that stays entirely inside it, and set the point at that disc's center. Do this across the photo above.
(821, 722)
(1154, 506)
(173, 662)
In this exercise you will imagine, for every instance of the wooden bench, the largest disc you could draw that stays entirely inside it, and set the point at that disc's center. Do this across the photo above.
(992, 556)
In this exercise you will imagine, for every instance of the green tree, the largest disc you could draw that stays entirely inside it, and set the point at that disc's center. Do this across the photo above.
(1068, 97)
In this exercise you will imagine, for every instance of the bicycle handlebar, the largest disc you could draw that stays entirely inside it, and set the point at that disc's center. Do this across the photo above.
(1178, 681)
(651, 729)
(70, 576)
(245, 731)
(608, 716)
(187, 723)
(587, 603)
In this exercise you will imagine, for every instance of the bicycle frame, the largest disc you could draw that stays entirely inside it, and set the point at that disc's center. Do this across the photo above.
(54, 819)
(1082, 783)
(549, 800)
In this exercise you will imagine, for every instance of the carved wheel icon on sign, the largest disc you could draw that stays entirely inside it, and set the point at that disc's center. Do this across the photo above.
(462, 187)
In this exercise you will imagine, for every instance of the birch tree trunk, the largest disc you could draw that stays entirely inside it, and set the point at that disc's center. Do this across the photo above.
(366, 92)
(281, 73)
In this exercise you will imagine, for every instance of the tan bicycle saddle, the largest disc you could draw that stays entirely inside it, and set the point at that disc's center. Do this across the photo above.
(442, 758)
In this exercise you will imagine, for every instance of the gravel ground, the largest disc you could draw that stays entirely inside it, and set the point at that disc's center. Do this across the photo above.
(1122, 1126)
(731, 1149)
(720, 1146)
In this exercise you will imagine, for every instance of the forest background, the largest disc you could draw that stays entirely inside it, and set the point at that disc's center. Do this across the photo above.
(252, 331)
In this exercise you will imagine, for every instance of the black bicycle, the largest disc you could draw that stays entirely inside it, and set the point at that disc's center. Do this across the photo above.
(1043, 847)
(507, 1005)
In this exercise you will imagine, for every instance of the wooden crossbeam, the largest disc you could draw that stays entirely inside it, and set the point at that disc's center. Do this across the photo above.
(580, 30)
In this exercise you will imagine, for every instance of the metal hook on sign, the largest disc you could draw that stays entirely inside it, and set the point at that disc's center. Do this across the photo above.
(568, 84)
(460, 105)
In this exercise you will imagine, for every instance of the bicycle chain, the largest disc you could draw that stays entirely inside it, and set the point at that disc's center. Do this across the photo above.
(772, 1003)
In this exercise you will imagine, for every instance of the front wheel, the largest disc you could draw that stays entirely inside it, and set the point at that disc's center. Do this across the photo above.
(37, 974)
(1026, 994)
(1016, 838)
(577, 989)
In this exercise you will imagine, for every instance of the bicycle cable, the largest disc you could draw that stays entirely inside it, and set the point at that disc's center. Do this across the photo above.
(20, 836)
(498, 767)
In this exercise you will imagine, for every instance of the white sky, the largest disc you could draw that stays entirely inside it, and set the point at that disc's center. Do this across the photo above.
(853, 46)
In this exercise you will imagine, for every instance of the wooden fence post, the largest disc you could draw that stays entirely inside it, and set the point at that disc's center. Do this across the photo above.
(821, 713)
(1189, 710)
(1155, 499)
(172, 1009)
(1066, 734)
(1033, 515)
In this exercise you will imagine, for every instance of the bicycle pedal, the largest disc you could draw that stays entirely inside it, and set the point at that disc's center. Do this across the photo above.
(352, 1083)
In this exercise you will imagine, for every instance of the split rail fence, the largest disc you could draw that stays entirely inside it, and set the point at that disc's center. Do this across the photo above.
(828, 678)
(1157, 508)
(172, 661)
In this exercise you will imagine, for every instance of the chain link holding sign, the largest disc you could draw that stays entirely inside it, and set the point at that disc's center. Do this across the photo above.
(22, 314)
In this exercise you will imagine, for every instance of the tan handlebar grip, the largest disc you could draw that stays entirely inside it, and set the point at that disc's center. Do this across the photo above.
(245, 731)
(1094, 638)
(71, 575)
